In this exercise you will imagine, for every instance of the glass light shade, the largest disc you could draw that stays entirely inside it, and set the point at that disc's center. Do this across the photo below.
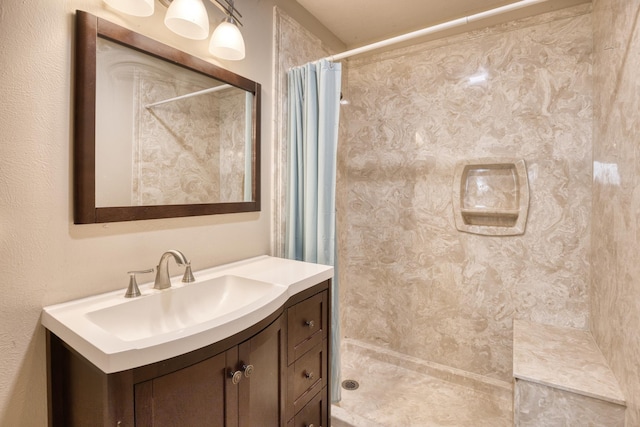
(188, 18)
(132, 7)
(227, 42)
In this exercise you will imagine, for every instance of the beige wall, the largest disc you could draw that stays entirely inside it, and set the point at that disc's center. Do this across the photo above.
(45, 258)
(615, 285)
(412, 282)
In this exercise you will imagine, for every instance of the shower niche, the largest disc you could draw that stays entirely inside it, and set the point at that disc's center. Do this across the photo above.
(491, 196)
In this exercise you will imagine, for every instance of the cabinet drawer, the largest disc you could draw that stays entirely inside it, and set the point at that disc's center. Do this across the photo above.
(307, 325)
(306, 377)
(313, 414)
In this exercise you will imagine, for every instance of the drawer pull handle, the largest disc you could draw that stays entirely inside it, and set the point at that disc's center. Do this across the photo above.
(310, 323)
(248, 370)
(308, 375)
(235, 376)
(309, 425)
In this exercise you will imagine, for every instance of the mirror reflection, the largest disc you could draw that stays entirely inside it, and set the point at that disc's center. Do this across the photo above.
(159, 133)
(166, 135)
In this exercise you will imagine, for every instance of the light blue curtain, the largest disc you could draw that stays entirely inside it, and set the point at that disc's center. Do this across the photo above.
(314, 107)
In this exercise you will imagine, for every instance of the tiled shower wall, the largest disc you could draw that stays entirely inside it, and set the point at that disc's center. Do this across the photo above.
(199, 141)
(615, 286)
(157, 138)
(203, 161)
(411, 281)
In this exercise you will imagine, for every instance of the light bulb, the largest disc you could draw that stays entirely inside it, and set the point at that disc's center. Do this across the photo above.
(227, 42)
(188, 18)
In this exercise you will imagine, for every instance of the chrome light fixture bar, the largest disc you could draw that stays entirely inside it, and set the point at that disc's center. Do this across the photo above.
(188, 18)
(227, 8)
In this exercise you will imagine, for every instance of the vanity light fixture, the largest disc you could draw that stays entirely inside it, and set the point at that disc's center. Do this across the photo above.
(188, 18)
(226, 41)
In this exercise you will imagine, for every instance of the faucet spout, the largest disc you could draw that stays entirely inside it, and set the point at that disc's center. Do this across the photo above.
(163, 280)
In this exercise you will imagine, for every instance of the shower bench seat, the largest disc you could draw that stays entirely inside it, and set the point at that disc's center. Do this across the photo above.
(562, 378)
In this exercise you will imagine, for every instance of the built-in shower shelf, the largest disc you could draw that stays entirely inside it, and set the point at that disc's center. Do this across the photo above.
(491, 196)
(490, 217)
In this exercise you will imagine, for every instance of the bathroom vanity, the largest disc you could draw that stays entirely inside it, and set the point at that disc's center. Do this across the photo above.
(264, 367)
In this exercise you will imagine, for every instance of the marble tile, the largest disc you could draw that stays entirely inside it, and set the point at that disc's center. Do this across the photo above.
(501, 390)
(341, 417)
(412, 282)
(392, 395)
(615, 284)
(537, 405)
(208, 170)
(563, 358)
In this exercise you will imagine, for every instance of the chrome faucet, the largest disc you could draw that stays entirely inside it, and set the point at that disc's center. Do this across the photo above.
(163, 280)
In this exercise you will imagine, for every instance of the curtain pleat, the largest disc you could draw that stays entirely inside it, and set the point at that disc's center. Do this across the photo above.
(312, 137)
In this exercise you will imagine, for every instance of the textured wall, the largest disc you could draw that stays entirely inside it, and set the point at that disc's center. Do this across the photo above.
(412, 281)
(615, 286)
(44, 258)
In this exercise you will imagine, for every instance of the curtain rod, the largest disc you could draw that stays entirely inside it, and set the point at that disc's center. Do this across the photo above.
(435, 28)
(189, 95)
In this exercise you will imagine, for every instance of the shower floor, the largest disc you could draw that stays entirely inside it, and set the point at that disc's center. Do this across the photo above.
(400, 391)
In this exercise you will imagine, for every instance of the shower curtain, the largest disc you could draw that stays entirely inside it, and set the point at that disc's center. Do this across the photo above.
(312, 142)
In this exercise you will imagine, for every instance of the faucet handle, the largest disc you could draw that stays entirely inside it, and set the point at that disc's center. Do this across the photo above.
(188, 274)
(133, 290)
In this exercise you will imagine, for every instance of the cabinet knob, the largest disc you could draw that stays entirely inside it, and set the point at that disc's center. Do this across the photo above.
(235, 376)
(309, 425)
(310, 323)
(248, 370)
(308, 375)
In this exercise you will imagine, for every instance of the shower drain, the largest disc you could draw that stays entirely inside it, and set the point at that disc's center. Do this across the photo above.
(350, 384)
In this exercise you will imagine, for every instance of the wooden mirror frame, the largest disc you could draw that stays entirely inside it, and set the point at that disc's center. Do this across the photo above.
(88, 29)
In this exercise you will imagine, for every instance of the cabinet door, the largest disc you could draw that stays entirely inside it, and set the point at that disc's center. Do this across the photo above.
(261, 398)
(191, 397)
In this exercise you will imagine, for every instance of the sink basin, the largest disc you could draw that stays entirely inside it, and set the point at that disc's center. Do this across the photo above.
(115, 333)
(181, 308)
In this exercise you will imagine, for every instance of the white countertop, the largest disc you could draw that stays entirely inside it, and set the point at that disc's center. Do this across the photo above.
(69, 320)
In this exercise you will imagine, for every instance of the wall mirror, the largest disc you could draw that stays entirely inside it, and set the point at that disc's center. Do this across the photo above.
(159, 133)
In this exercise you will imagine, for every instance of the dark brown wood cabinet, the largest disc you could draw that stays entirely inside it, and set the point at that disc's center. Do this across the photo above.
(239, 387)
(280, 367)
(307, 361)
(313, 414)
(260, 400)
(195, 395)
